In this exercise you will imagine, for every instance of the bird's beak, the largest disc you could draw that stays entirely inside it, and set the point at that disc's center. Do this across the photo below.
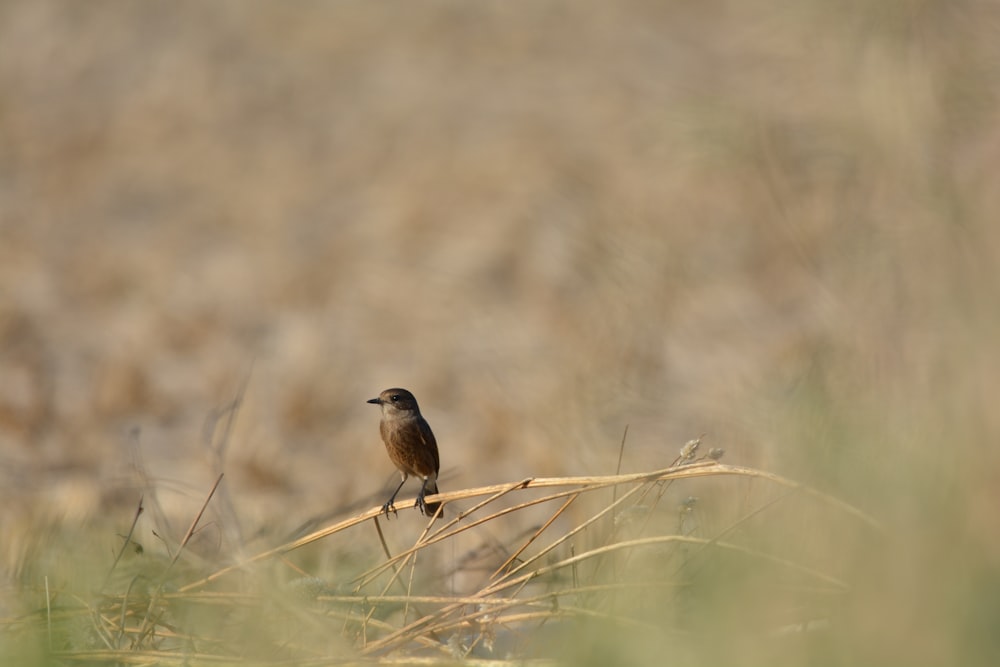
(376, 401)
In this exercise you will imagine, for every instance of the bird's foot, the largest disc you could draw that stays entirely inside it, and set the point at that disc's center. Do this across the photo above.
(389, 507)
(428, 509)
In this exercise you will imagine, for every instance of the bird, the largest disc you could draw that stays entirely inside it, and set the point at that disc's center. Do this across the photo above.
(410, 444)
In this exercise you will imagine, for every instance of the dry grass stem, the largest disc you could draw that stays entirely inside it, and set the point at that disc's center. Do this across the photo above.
(531, 585)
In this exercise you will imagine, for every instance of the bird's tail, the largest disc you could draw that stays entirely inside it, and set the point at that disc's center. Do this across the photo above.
(430, 508)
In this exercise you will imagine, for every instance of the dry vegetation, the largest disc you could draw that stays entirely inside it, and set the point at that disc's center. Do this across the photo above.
(631, 565)
(225, 225)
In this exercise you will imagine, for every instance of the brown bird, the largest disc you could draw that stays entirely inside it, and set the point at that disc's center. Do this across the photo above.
(411, 445)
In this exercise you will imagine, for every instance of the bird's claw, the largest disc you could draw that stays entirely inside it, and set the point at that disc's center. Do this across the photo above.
(389, 507)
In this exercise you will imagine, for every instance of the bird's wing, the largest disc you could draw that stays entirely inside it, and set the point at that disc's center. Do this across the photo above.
(428, 437)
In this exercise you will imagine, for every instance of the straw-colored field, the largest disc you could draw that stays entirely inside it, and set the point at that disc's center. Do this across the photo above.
(771, 225)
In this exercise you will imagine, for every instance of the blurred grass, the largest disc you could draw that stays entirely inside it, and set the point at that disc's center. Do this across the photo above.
(773, 223)
(641, 567)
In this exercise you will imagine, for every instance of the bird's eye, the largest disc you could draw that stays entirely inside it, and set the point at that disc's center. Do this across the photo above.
(395, 397)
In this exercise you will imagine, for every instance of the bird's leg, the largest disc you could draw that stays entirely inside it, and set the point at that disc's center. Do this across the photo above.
(390, 505)
(420, 498)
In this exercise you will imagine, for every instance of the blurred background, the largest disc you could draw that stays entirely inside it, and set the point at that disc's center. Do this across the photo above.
(772, 223)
